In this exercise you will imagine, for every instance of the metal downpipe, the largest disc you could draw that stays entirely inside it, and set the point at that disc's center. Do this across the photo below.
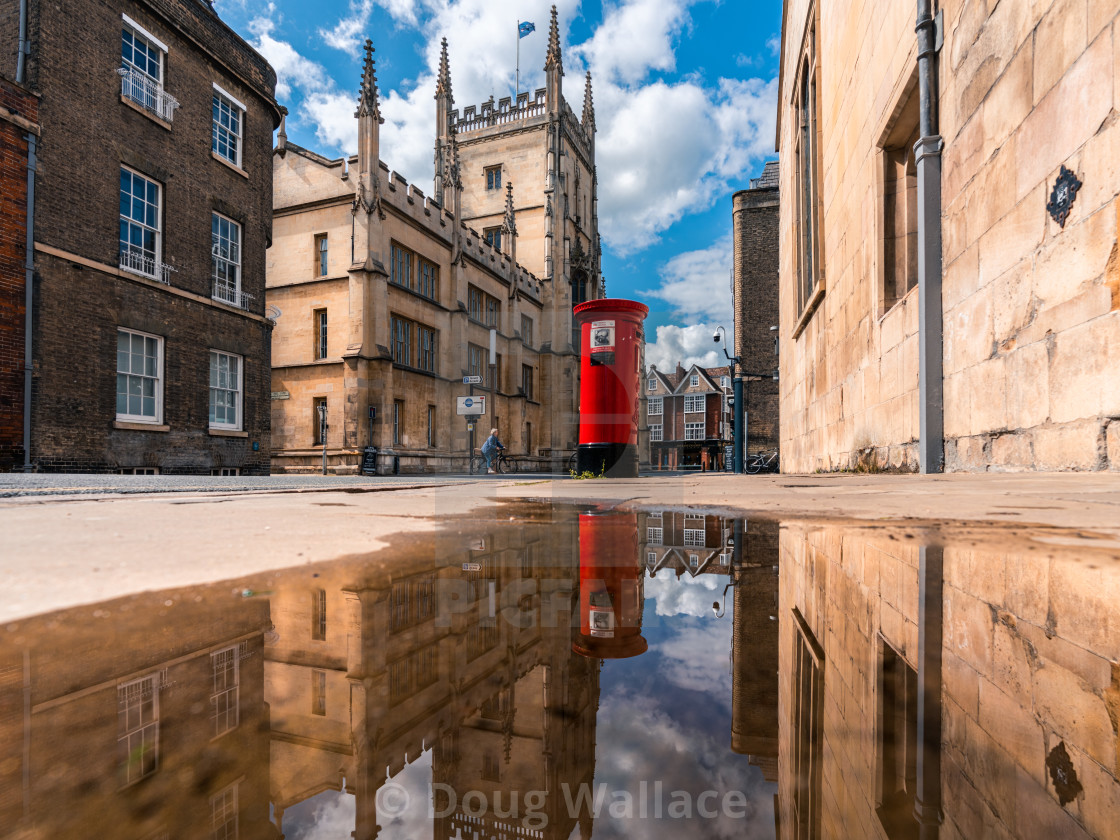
(29, 298)
(927, 154)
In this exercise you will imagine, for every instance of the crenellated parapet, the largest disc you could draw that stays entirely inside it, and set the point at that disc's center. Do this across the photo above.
(506, 111)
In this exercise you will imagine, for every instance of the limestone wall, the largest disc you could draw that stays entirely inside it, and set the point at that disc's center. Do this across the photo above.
(1032, 332)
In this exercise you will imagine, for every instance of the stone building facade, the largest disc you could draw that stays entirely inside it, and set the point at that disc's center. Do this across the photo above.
(686, 417)
(18, 130)
(152, 215)
(754, 292)
(1025, 376)
(509, 241)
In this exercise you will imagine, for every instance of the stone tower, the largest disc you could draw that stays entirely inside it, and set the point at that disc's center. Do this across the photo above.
(547, 153)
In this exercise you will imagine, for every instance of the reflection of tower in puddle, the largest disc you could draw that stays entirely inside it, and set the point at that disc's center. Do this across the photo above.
(463, 648)
(754, 646)
(610, 587)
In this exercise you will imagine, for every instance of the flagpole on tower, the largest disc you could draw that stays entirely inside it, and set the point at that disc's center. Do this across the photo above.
(517, 72)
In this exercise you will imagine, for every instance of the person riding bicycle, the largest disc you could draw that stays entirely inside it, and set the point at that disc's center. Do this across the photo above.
(490, 450)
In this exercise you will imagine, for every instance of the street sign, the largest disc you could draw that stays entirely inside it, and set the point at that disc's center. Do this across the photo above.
(472, 380)
(470, 405)
(281, 395)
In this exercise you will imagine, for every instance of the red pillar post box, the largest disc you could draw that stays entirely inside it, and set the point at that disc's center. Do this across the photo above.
(612, 344)
(611, 593)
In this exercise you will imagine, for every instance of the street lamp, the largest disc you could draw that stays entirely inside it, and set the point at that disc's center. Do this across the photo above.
(737, 384)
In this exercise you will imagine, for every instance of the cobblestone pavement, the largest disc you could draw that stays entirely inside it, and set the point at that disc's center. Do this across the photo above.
(66, 484)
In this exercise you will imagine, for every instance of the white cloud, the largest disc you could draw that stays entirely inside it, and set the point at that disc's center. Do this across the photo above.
(349, 32)
(688, 661)
(698, 283)
(635, 38)
(691, 345)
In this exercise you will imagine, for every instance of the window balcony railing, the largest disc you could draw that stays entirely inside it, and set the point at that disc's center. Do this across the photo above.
(146, 265)
(147, 93)
(232, 295)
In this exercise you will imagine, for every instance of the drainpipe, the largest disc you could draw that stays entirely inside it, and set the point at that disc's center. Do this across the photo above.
(927, 799)
(29, 299)
(927, 154)
(21, 65)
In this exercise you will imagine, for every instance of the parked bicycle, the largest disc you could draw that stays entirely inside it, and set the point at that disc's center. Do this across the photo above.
(762, 462)
(500, 462)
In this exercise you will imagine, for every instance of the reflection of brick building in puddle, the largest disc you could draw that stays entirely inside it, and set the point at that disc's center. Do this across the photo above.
(1024, 695)
(679, 542)
(371, 669)
(142, 717)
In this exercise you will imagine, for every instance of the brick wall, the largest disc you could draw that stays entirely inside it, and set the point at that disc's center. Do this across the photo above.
(89, 133)
(13, 248)
(755, 299)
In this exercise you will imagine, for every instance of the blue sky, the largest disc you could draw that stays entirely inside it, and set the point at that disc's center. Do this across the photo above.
(685, 97)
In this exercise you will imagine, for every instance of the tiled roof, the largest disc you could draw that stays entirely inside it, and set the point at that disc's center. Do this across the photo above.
(768, 180)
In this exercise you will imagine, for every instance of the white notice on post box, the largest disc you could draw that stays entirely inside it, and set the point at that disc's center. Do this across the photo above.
(602, 336)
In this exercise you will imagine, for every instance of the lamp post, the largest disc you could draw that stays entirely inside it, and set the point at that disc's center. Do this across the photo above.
(737, 391)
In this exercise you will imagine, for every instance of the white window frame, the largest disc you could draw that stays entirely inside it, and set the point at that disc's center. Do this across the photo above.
(652, 384)
(654, 536)
(216, 127)
(694, 431)
(694, 561)
(238, 391)
(157, 419)
(725, 381)
(224, 807)
(651, 558)
(694, 380)
(655, 432)
(137, 29)
(142, 734)
(693, 400)
(138, 265)
(694, 537)
(225, 705)
(655, 403)
(230, 257)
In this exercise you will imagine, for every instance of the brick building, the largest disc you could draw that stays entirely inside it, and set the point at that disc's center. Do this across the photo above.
(18, 128)
(1002, 192)
(152, 215)
(508, 241)
(754, 291)
(687, 417)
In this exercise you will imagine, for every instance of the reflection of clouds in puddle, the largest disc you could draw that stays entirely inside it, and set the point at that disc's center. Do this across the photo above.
(413, 821)
(325, 816)
(696, 658)
(687, 596)
(331, 814)
(639, 741)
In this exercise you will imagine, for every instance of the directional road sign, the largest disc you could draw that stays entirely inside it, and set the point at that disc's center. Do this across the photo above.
(472, 380)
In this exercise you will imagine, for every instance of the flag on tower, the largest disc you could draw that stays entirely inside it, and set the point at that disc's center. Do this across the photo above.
(524, 29)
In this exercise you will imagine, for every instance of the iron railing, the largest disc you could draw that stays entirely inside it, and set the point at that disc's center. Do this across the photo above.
(227, 293)
(147, 93)
(145, 264)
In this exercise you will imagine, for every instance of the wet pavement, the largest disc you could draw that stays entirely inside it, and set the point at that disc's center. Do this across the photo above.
(534, 670)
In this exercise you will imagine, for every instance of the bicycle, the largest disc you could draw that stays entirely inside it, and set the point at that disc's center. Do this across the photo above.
(500, 462)
(762, 462)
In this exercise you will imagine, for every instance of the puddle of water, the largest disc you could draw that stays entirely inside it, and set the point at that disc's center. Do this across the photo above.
(568, 674)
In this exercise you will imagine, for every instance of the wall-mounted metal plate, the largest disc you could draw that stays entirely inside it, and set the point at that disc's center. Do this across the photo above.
(1062, 196)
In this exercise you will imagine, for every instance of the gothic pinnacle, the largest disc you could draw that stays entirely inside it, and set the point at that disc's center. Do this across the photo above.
(552, 58)
(588, 106)
(367, 103)
(510, 223)
(443, 82)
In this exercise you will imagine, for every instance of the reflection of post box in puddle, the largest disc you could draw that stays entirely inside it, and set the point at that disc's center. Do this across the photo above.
(610, 587)
(612, 345)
